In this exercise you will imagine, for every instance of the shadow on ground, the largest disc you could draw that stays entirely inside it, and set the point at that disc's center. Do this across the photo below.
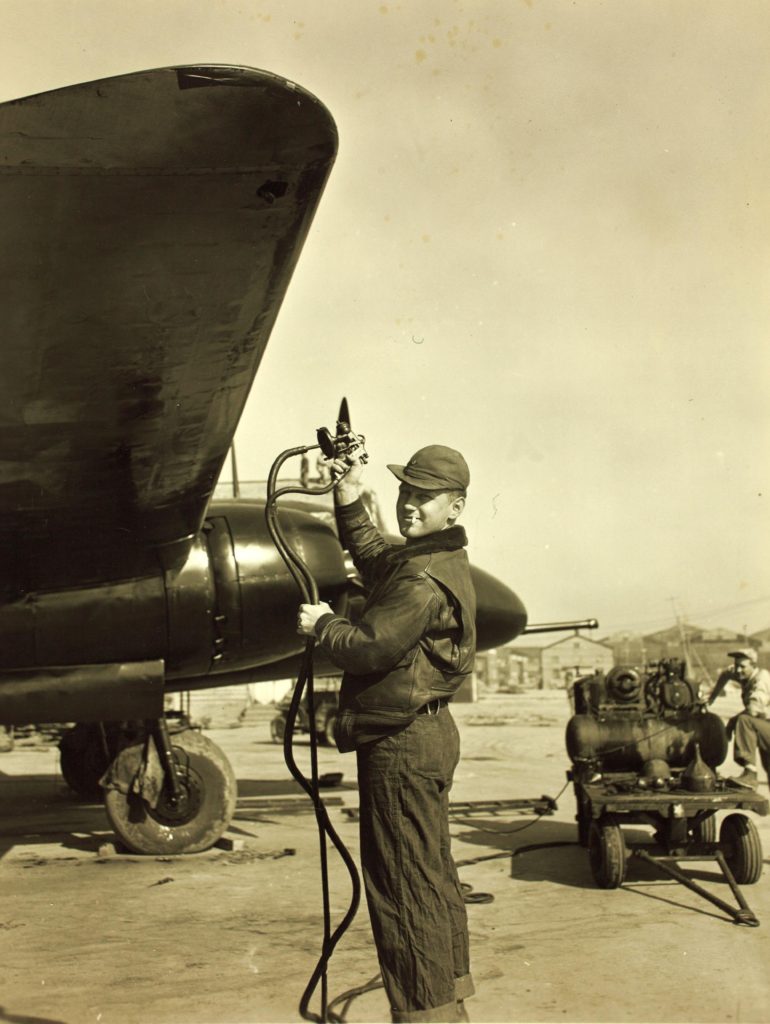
(40, 810)
(543, 850)
(6, 1017)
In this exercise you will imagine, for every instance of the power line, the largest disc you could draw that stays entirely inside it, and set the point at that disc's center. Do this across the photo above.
(663, 619)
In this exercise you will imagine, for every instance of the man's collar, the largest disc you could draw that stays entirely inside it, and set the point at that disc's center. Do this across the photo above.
(451, 539)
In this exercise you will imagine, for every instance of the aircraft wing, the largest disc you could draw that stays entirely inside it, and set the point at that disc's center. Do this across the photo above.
(149, 226)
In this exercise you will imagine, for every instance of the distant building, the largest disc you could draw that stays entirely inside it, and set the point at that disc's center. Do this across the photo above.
(504, 669)
(761, 641)
(670, 642)
(533, 665)
(572, 657)
(560, 663)
(709, 653)
(705, 650)
(627, 648)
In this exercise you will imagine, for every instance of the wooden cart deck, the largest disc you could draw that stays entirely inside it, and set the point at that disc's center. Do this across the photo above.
(621, 795)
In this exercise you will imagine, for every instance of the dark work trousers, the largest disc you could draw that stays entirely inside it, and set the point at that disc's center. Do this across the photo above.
(752, 733)
(415, 902)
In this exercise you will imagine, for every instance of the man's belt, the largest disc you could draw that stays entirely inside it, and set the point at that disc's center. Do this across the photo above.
(433, 706)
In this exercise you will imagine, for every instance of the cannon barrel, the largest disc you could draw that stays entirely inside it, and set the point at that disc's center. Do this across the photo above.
(557, 627)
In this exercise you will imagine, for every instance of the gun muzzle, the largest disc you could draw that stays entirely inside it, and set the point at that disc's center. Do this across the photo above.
(560, 627)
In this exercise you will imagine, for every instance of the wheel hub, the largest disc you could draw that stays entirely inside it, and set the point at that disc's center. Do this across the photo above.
(177, 811)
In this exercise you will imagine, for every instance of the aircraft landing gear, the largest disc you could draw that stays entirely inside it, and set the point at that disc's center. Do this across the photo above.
(155, 812)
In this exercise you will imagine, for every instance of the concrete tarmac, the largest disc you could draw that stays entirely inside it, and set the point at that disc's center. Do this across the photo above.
(232, 935)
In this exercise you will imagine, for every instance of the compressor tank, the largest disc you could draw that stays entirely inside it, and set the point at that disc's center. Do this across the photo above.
(624, 742)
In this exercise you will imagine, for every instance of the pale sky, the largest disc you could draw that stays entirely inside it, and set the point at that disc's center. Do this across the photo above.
(545, 242)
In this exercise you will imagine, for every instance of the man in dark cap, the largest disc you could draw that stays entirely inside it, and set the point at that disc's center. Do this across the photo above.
(751, 727)
(403, 660)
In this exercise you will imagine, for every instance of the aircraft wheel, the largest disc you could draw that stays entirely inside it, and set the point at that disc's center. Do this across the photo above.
(83, 761)
(607, 852)
(742, 848)
(203, 812)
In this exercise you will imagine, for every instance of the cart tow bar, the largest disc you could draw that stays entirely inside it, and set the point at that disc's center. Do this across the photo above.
(742, 914)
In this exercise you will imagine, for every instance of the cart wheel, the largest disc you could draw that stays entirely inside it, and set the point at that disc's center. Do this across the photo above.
(607, 852)
(742, 848)
(705, 830)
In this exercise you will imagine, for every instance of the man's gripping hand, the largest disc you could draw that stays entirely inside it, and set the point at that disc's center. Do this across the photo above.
(309, 614)
(347, 471)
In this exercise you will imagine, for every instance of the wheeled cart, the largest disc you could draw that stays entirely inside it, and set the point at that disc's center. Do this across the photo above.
(644, 748)
(685, 829)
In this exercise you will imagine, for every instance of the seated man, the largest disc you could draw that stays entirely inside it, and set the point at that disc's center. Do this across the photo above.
(752, 726)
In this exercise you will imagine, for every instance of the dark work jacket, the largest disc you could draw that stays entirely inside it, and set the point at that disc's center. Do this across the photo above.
(416, 638)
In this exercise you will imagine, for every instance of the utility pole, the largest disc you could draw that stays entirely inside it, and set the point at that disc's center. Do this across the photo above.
(234, 465)
(682, 638)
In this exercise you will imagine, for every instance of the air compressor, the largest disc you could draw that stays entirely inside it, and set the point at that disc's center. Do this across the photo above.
(645, 750)
(630, 720)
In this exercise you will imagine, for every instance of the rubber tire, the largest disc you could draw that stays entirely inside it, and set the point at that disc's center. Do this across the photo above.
(277, 729)
(607, 852)
(330, 733)
(139, 827)
(82, 761)
(705, 831)
(741, 848)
